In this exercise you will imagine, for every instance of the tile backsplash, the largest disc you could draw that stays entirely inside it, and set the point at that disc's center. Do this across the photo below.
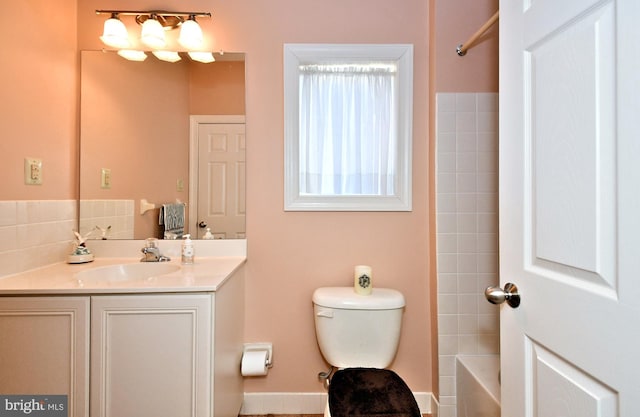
(35, 233)
(466, 231)
(114, 215)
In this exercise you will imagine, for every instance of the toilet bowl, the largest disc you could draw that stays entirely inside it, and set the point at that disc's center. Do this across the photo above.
(359, 334)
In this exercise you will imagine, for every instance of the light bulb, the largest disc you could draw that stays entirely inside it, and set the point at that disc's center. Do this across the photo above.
(115, 33)
(204, 57)
(169, 56)
(191, 34)
(152, 33)
(132, 55)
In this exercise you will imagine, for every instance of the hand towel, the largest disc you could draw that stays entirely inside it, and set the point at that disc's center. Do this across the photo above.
(172, 218)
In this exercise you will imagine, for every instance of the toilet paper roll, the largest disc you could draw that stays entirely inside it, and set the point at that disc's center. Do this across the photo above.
(254, 363)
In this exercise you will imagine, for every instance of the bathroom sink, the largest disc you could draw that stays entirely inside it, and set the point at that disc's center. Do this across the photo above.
(126, 272)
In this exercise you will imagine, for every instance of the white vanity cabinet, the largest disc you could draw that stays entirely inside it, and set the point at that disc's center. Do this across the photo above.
(151, 355)
(44, 348)
(135, 353)
(167, 354)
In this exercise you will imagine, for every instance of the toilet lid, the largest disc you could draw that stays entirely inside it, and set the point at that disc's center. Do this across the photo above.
(346, 298)
(370, 392)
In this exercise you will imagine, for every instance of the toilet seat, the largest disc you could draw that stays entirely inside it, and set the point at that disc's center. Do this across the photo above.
(370, 392)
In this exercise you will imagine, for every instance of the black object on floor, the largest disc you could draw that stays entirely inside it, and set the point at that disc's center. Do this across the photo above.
(367, 392)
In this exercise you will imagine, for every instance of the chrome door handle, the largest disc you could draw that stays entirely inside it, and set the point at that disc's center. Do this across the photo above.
(496, 295)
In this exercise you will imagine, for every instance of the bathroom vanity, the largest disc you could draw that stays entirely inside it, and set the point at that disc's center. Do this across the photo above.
(122, 341)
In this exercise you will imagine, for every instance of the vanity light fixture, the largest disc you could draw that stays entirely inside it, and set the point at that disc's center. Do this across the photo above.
(204, 57)
(115, 33)
(152, 33)
(169, 56)
(132, 55)
(191, 34)
(154, 25)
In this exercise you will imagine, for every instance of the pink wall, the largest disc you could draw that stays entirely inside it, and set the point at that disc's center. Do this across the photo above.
(291, 254)
(217, 88)
(455, 22)
(38, 116)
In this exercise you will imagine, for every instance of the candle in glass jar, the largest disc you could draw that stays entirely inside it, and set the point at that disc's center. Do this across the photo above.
(362, 280)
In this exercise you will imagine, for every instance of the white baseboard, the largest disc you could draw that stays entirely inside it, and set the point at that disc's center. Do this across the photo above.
(435, 406)
(262, 403)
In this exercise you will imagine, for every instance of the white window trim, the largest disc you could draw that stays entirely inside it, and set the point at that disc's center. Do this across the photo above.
(296, 54)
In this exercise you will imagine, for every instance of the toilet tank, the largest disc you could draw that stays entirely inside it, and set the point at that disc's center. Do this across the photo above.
(358, 330)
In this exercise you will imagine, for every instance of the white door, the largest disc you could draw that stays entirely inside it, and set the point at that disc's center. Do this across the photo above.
(570, 207)
(219, 200)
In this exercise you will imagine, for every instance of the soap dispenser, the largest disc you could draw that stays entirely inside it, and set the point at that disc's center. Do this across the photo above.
(188, 253)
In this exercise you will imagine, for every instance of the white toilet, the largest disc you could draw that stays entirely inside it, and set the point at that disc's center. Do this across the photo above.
(358, 331)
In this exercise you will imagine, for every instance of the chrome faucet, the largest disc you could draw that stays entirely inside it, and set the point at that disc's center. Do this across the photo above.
(152, 252)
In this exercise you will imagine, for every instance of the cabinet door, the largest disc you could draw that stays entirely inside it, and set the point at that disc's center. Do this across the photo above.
(44, 348)
(151, 355)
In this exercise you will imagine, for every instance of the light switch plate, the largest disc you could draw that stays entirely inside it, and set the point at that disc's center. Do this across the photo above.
(32, 171)
(105, 181)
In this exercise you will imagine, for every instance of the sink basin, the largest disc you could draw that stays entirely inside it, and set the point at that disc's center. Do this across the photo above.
(126, 272)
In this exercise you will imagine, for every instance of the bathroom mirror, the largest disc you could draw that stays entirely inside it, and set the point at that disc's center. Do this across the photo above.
(139, 129)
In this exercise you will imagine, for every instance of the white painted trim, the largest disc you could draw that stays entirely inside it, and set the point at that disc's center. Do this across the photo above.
(294, 54)
(435, 406)
(194, 121)
(425, 402)
(263, 403)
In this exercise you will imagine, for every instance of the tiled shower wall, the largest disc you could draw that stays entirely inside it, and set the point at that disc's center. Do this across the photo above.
(35, 233)
(467, 231)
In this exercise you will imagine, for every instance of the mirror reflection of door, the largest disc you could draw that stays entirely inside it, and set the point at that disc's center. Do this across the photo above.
(119, 105)
(221, 186)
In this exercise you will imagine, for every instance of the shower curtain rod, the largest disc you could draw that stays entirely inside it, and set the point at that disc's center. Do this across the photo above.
(463, 47)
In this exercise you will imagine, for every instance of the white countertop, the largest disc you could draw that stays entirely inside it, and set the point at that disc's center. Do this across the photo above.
(207, 274)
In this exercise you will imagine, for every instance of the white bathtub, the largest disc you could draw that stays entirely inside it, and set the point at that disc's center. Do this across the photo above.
(478, 385)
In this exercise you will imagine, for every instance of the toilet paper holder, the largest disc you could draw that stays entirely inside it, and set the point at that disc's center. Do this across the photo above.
(253, 347)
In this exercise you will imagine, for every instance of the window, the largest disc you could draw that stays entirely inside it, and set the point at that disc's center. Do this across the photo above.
(348, 116)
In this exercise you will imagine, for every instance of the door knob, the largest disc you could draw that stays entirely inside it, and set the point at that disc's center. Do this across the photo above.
(202, 225)
(496, 295)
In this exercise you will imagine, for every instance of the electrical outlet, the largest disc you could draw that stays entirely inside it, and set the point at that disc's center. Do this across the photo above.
(105, 181)
(180, 185)
(32, 171)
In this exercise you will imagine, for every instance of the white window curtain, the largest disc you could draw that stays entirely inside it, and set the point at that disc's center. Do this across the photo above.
(348, 129)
